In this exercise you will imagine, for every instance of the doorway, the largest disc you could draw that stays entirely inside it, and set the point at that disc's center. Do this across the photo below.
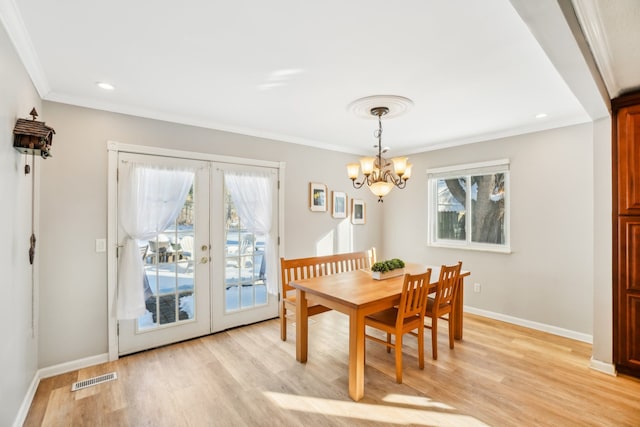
(214, 266)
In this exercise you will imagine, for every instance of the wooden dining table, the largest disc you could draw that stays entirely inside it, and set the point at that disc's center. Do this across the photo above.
(357, 294)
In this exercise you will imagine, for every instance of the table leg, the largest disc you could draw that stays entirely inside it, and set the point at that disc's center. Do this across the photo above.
(356, 355)
(302, 326)
(458, 310)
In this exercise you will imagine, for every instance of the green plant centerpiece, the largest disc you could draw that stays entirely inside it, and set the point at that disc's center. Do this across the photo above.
(389, 268)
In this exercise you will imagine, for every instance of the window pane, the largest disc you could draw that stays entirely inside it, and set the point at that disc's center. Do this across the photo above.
(169, 286)
(451, 209)
(487, 213)
(245, 264)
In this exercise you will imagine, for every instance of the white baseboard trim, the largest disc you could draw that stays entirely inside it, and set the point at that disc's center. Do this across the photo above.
(26, 402)
(63, 368)
(578, 336)
(51, 371)
(604, 367)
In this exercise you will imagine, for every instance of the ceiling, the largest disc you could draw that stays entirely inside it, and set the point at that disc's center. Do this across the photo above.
(288, 69)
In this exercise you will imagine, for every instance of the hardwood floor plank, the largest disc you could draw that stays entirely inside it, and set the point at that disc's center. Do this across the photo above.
(499, 375)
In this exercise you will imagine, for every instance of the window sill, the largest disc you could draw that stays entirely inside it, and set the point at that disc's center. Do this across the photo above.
(478, 248)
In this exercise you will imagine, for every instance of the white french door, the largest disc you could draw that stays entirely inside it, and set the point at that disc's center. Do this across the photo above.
(207, 271)
(176, 268)
(245, 259)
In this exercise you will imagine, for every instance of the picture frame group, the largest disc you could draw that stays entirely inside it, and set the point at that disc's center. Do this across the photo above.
(319, 201)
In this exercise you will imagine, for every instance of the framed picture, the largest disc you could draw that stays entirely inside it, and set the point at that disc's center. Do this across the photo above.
(338, 204)
(358, 211)
(317, 197)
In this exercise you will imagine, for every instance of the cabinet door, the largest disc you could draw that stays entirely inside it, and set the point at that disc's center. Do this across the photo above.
(628, 164)
(627, 296)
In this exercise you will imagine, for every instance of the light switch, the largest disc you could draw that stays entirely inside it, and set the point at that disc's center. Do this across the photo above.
(101, 245)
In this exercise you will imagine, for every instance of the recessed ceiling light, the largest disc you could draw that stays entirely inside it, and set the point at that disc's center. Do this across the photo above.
(541, 115)
(105, 86)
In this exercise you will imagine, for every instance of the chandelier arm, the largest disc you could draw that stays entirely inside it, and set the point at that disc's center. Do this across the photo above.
(357, 185)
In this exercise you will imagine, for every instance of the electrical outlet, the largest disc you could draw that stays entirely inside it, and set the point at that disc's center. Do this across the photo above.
(476, 287)
(101, 245)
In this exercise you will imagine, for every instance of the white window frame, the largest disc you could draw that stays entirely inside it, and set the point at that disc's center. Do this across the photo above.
(468, 170)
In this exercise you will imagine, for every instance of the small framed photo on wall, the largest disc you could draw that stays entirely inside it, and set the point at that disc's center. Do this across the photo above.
(358, 211)
(338, 204)
(317, 197)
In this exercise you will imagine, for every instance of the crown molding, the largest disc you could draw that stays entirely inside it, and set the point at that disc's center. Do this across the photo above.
(14, 25)
(588, 14)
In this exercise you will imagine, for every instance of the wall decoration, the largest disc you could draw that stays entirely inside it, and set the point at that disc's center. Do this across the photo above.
(358, 211)
(317, 197)
(32, 137)
(338, 204)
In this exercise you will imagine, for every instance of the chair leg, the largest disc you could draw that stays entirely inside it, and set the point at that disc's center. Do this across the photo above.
(434, 337)
(389, 342)
(283, 323)
(421, 347)
(398, 346)
(450, 332)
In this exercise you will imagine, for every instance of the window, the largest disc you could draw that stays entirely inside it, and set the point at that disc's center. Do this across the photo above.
(469, 206)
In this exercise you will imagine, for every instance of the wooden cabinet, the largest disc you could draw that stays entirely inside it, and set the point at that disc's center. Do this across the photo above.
(628, 129)
(628, 293)
(626, 235)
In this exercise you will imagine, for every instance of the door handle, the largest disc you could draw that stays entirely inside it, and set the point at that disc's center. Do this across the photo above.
(204, 260)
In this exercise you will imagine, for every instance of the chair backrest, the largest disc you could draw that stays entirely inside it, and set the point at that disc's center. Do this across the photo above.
(186, 243)
(307, 268)
(143, 251)
(372, 256)
(447, 286)
(413, 301)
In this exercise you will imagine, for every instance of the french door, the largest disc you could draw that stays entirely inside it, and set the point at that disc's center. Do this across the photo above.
(245, 266)
(207, 271)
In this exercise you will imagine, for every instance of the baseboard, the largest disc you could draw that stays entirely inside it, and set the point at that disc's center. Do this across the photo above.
(604, 367)
(578, 336)
(26, 402)
(63, 368)
(51, 371)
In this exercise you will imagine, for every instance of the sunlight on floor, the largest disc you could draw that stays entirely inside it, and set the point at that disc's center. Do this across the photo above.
(400, 409)
(425, 402)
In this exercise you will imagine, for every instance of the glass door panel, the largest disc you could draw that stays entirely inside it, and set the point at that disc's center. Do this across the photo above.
(245, 280)
(169, 274)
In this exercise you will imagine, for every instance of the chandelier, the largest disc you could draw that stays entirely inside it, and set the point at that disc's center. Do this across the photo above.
(377, 171)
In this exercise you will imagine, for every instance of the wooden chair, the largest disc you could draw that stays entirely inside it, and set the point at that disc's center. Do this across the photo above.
(306, 268)
(372, 255)
(405, 318)
(442, 303)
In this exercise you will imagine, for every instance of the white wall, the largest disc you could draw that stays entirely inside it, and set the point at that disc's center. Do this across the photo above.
(73, 312)
(602, 247)
(556, 182)
(18, 354)
(549, 277)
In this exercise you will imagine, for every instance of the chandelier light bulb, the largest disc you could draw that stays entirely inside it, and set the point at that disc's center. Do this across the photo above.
(399, 165)
(353, 169)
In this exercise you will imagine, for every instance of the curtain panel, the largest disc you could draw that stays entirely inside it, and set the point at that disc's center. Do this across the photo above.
(150, 198)
(252, 194)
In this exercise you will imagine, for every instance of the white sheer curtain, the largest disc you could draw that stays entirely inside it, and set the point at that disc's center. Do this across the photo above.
(252, 194)
(149, 199)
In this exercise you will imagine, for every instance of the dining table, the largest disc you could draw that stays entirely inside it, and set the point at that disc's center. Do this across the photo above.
(357, 294)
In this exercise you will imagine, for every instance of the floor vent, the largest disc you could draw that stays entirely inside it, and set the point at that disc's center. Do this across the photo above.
(94, 381)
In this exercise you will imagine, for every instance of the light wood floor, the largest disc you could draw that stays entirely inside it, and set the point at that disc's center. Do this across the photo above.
(499, 375)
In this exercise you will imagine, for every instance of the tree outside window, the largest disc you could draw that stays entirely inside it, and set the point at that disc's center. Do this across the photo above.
(469, 207)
